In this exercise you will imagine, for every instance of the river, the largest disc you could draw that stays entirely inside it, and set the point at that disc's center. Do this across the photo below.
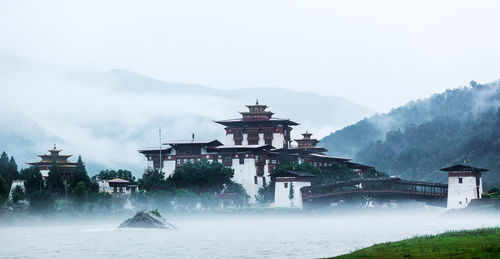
(228, 236)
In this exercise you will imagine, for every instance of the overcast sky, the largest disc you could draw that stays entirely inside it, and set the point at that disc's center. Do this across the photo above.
(377, 53)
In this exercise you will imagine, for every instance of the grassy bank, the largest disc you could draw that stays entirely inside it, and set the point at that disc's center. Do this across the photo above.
(480, 243)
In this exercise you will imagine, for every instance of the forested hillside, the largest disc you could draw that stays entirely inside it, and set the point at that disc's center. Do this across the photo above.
(415, 140)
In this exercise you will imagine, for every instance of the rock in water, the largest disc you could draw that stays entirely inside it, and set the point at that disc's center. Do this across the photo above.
(145, 219)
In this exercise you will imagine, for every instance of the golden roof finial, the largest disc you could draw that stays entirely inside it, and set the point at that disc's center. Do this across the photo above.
(54, 146)
(257, 102)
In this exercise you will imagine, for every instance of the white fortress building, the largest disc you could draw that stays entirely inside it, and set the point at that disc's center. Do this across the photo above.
(464, 185)
(290, 182)
(253, 146)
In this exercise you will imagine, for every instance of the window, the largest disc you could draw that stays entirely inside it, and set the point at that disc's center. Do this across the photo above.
(227, 160)
(268, 134)
(253, 137)
(286, 185)
(460, 180)
(255, 180)
(242, 160)
(238, 135)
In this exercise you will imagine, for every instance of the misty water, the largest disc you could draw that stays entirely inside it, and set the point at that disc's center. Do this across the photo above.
(229, 236)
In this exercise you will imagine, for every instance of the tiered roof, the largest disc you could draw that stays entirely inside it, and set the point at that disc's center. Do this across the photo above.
(463, 168)
(256, 113)
(306, 141)
(62, 160)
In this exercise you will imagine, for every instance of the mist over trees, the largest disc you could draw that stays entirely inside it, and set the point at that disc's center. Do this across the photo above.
(457, 104)
(415, 140)
(195, 183)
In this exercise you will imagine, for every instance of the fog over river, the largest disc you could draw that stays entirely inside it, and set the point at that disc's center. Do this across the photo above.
(302, 235)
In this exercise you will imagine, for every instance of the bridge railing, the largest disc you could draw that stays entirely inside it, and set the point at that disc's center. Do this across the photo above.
(377, 186)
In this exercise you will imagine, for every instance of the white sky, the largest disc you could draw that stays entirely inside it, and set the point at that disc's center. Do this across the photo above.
(377, 53)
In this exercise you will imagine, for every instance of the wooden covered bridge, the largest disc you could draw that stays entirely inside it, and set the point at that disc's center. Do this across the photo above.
(388, 189)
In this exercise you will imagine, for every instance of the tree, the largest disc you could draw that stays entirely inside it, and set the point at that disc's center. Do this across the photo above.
(202, 176)
(79, 175)
(112, 174)
(266, 193)
(8, 168)
(185, 199)
(336, 172)
(80, 193)
(243, 197)
(208, 200)
(42, 201)
(291, 193)
(55, 182)
(33, 179)
(152, 180)
(12, 169)
(4, 164)
(18, 194)
(4, 190)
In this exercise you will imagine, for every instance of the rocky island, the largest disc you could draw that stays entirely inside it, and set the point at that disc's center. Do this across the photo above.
(146, 219)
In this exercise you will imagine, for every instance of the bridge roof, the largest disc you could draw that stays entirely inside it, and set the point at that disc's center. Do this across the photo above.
(463, 168)
(366, 180)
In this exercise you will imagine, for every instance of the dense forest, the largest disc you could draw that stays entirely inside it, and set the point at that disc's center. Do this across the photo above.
(415, 140)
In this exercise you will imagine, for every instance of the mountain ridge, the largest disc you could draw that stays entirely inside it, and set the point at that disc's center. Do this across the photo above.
(107, 115)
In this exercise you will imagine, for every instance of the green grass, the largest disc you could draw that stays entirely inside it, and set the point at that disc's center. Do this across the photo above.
(480, 243)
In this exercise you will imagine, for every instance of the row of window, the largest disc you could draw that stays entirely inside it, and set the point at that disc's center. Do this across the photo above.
(256, 181)
(181, 161)
(252, 134)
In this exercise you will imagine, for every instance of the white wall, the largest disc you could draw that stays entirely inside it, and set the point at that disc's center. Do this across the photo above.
(45, 173)
(168, 167)
(281, 194)
(13, 186)
(278, 140)
(150, 163)
(460, 194)
(104, 186)
(261, 139)
(244, 175)
(229, 140)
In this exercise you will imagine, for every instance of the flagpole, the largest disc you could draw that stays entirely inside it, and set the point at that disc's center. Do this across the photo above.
(161, 167)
